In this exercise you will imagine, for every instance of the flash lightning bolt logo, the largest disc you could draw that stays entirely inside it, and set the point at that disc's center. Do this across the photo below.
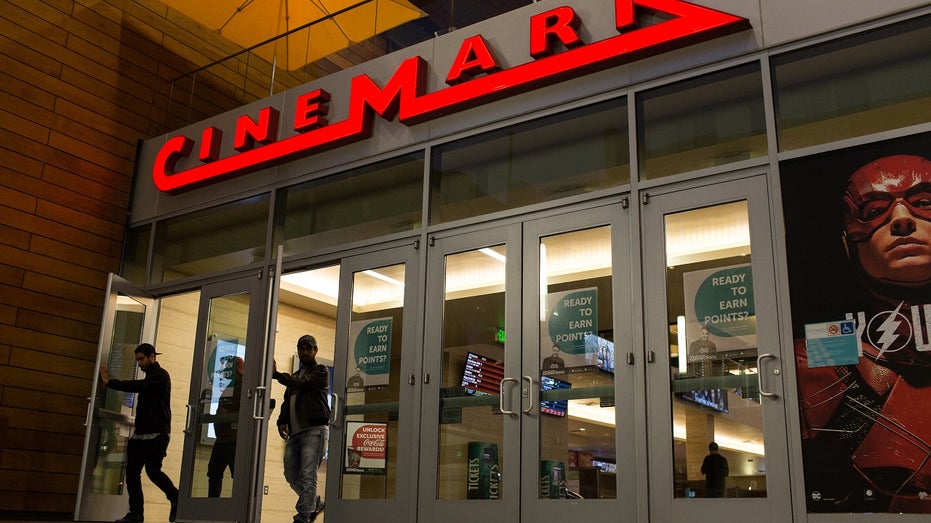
(889, 322)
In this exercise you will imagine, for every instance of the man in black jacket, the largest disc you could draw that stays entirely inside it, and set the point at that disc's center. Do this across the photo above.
(304, 424)
(715, 469)
(149, 441)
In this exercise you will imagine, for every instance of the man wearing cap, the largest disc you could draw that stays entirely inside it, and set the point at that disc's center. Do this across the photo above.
(304, 424)
(149, 441)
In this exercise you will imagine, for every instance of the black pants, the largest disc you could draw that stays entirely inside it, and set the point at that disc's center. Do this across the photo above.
(222, 455)
(147, 453)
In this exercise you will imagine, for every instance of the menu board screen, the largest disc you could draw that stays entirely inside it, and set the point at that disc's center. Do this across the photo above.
(481, 375)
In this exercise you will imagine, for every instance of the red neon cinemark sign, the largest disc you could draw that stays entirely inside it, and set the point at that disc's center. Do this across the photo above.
(475, 78)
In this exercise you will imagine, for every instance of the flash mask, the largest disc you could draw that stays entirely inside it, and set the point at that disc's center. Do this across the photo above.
(875, 190)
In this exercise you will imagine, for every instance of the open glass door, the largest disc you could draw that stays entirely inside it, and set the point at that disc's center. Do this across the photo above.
(225, 403)
(128, 320)
(715, 383)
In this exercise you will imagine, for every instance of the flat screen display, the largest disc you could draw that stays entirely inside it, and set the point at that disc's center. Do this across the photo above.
(482, 375)
(715, 399)
(602, 349)
(553, 407)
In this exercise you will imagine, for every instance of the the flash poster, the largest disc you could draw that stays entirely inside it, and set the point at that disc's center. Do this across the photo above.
(858, 242)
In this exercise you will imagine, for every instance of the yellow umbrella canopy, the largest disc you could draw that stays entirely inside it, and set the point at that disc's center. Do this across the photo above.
(249, 22)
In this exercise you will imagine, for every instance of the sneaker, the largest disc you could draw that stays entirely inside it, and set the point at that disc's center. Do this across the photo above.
(131, 517)
(320, 505)
(173, 514)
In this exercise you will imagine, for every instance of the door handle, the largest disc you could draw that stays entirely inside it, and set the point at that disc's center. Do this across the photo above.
(187, 419)
(759, 374)
(257, 402)
(334, 412)
(87, 417)
(529, 395)
(501, 395)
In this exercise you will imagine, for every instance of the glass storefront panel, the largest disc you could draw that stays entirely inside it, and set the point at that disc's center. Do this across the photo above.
(571, 153)
(718, 445)
(578, 457)
(868, 83)
(363, 203)
(373, 385)
(136, 254)
(217, 426)
(223, 237)
(703, 122)
(471, 424)
(307, 304)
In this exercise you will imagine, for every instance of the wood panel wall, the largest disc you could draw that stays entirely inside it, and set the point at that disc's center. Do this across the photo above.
(81, 82)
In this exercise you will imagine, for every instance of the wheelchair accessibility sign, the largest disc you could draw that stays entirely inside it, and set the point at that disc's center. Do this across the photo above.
(832, 343)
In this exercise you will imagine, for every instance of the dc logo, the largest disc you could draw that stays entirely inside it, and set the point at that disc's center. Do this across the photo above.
(816, 495)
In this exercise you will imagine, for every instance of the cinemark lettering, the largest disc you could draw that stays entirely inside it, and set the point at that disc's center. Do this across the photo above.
(474, 78)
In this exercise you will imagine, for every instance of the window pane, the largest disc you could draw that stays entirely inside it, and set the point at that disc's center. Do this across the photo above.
(471, 430)
(859, 85)
(718, 444)
(135, 254)
(563, 155)
(694, 124)
(576, 379)
(223, 237)
(373, 387)
(363, 203)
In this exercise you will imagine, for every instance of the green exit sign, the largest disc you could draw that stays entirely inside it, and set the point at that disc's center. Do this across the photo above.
(499, 335)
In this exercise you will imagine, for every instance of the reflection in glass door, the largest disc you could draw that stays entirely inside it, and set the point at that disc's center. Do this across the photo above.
(221, 420)
(717, 354)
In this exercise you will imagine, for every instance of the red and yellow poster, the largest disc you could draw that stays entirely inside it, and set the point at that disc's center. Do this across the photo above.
(366, 448)
(858, 241)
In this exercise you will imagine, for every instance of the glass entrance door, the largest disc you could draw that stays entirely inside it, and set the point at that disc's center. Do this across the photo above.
(579, 366)
(471, 383)
(520, 420)
(715, 386)
(225, 408)
(375, 373)
(128, 320)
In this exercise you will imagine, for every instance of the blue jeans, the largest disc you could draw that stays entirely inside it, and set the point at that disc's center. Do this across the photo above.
(303, 454)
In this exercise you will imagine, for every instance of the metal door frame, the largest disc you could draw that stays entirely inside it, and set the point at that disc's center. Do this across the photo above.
(103, 507)
(253, 408)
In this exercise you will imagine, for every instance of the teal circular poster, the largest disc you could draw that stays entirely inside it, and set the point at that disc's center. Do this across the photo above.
(372, 349)
(573, 316)
(724, 302)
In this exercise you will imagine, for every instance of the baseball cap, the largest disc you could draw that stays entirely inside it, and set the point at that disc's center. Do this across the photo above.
(308, 339)
(147, 349)
(712, 446)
